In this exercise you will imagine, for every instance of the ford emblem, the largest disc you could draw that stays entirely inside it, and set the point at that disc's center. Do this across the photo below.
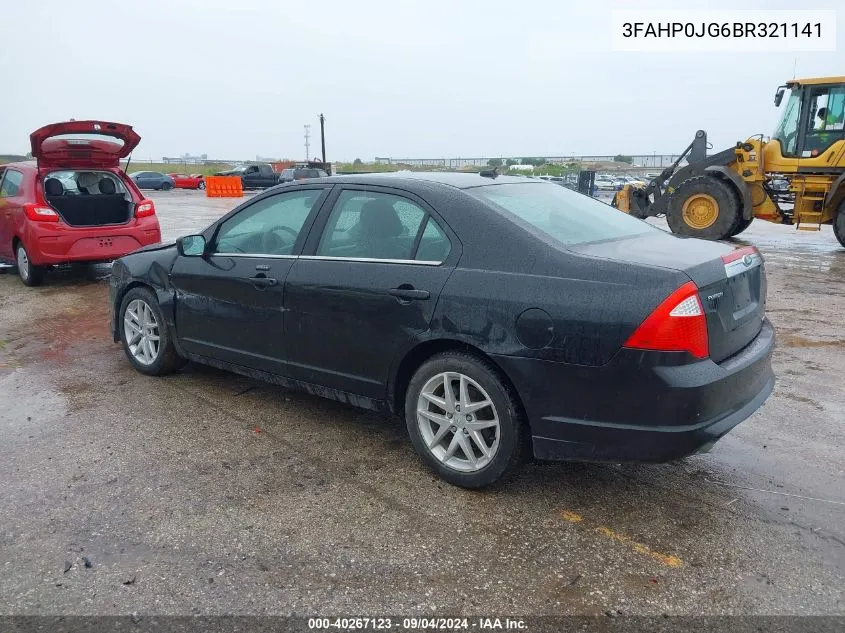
(746, 259)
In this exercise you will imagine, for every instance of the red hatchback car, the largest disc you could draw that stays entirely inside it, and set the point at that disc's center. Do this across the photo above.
(73, 203)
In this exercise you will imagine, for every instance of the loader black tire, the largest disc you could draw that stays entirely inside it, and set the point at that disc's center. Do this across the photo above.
(839, 224)
(741, 226)
(704, 207)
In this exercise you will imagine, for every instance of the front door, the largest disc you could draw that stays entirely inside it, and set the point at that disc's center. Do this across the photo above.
(369, 287)
(229, 301)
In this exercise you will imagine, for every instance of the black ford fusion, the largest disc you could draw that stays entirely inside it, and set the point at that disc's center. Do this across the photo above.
(501, 317)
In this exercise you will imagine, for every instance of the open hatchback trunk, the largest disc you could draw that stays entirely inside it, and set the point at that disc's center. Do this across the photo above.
(83, 144)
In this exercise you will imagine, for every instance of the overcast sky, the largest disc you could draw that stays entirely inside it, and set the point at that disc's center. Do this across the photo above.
(240, 78)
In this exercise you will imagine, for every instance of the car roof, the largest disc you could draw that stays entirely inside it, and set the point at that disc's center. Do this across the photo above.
(458, 180)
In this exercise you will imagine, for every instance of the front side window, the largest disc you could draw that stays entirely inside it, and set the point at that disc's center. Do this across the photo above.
(270, 226)
(372, 225)
(11, 185)
(568, 217)
(787, 129)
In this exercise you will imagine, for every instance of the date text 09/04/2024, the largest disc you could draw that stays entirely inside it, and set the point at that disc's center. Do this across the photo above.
(417, 624)
(722, 29)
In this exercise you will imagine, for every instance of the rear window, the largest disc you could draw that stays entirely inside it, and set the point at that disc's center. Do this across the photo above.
(83, 183)
(566, 216)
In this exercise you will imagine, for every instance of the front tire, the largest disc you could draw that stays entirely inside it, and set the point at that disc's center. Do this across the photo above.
(465, 421)
(839, 224)
(703, 207)
(166, 186)
(144, 334)
(30, 274)
(201, 186)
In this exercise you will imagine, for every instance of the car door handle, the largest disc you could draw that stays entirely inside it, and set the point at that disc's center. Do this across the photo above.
(263, 282)
(408, 293)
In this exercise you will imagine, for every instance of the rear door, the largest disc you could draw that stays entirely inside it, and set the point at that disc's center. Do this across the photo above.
(375, 265)
(82, 144)
(229, 302)
(11, 203)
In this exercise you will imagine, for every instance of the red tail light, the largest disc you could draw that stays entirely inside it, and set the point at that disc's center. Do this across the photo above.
(739, 254)
(40, 213)
(676, 325)
(145, 208)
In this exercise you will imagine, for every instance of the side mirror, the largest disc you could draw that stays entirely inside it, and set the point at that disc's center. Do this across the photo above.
(191, 246)
(779, 95)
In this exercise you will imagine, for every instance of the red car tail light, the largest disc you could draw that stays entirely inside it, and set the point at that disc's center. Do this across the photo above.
(739, 254)
(40, 213)
(145, 208)
(676, 325)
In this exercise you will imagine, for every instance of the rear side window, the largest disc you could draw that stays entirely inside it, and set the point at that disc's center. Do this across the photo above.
(566, 216)
(11, 185)
(371, 226)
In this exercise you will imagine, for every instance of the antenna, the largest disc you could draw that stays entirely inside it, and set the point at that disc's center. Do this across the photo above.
(307, 143)
(794, 66)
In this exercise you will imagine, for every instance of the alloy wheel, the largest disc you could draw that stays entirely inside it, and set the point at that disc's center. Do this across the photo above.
(23, 263)
(141, 330)
(458, 421)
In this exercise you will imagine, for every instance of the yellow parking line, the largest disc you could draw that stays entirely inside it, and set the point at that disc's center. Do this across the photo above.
(665, 559)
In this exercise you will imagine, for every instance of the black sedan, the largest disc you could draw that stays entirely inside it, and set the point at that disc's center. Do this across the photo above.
(500, 317)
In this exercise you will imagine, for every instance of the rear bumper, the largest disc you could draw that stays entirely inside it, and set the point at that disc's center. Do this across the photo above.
(58, 244)
(642, 406)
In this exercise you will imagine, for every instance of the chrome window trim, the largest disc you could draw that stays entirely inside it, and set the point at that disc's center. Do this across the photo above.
(421, 262)
(264, 255)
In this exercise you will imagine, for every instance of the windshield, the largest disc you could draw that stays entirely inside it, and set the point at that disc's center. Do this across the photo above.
(566, 216)
(787, 129)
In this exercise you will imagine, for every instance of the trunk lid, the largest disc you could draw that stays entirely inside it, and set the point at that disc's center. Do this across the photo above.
(731, 282)
(83, 144)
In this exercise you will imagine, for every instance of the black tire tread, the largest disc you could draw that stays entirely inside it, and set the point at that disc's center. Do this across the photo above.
(839, 224)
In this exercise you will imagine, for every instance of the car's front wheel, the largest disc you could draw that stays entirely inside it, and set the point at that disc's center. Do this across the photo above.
(465, 421)
(166, 186)
(30, 274)
(201, 186)
(144, 334)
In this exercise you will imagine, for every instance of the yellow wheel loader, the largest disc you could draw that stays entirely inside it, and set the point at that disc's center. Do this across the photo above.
(795, 177)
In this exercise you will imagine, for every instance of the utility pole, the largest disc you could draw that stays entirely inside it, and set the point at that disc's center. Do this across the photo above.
(323, 135)
(307, 143)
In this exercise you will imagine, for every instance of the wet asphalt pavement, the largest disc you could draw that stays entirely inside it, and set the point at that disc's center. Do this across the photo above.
(206, 492)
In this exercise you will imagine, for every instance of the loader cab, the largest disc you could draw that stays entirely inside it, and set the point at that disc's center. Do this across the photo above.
(813, 118)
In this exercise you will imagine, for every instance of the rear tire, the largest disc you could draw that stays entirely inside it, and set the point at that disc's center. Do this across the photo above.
(839, 224)
(490, 427)
(743, 224)
(704, 207)
(30, 274)
(148, 344)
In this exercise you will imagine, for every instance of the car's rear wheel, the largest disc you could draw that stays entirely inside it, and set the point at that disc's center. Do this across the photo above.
(465, 421)
(166, 186)
(201, 186)
(839, 223)
(144, 334)
(30, 274)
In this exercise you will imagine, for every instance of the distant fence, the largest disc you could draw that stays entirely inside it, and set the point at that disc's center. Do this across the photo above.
(639, 160)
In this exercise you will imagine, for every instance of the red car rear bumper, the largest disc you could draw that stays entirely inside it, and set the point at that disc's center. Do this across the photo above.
(56, 243)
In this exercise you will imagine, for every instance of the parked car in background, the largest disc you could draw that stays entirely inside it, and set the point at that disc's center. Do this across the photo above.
(412, 293)
(301, 173)
(604, 182)
(152, 180)
(185, 181)
(73, 203)
(254, 176)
